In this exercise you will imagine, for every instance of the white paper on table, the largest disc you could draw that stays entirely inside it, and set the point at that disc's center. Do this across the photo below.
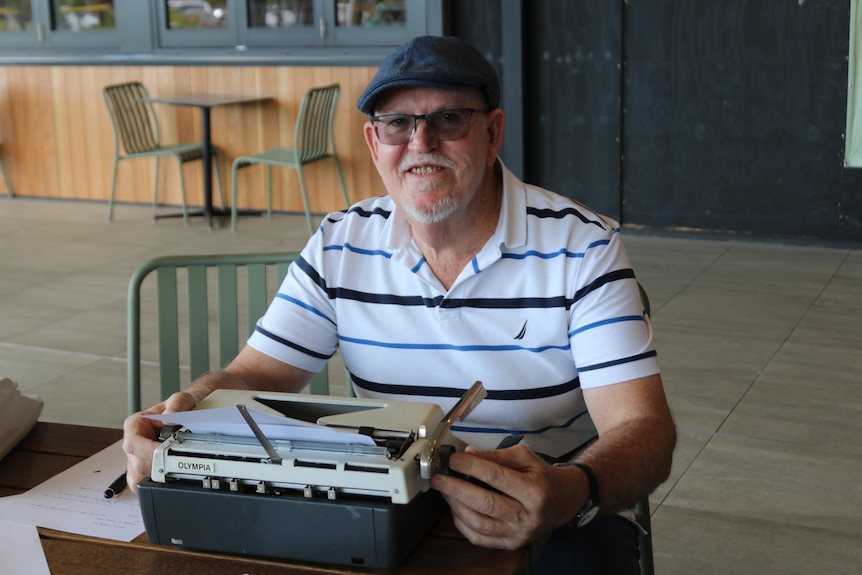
(21, 550)
(229, 421)
(74, 500)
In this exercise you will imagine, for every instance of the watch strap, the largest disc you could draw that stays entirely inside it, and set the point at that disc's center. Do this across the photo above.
(592, 480)
(591, 506)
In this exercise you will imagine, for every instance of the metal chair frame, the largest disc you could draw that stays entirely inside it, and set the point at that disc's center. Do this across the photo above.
(9, 191)
(136, 130)
(642, 507)
(196, 284)
(314, 137)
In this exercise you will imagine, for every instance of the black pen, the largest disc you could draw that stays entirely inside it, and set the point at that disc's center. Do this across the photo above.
(116, 487)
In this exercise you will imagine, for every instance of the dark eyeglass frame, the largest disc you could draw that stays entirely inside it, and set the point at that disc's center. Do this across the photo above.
(430, 119)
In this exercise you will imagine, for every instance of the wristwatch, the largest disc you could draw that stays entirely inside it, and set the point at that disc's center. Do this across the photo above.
(591, 506)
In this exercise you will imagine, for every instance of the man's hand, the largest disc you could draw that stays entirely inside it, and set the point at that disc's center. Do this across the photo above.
(534, 497)
(140, 434)
(251, 369)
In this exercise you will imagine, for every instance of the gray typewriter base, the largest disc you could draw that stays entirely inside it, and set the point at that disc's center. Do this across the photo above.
(357, 532)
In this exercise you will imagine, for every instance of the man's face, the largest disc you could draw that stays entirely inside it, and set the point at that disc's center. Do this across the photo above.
(429, 178)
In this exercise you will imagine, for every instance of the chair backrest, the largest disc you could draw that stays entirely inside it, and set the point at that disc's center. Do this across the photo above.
(314, 132)
(201, 277)
(134, 122)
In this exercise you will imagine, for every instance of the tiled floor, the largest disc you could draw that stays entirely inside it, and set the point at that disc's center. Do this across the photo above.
(761, 345)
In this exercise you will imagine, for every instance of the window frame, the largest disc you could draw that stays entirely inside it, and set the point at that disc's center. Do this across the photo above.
(141, 37)
(275, 37)
(45, 36)
(240, 34)
(194, 37)
(29, 38)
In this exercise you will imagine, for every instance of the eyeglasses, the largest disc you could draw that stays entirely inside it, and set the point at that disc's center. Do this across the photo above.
(398, 129)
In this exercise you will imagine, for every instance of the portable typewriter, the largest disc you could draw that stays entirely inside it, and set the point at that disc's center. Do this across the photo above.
(326, 479)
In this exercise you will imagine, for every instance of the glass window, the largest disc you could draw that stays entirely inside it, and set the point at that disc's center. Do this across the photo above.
(371, 13)
(184, 14)
(77, 15)
(281, 13)
(15, 16)
(182, 29)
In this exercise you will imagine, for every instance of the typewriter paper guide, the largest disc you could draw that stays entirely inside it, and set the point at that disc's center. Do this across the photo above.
(346, 413)
(382, 461)
(229, 421)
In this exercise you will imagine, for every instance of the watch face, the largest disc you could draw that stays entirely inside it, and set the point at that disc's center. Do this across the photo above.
(587, 515)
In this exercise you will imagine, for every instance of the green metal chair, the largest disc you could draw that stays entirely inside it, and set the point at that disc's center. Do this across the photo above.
(642, 516)
(313, 139)
(136, 131)
(5, 179)
(238, 306)
(642, 509)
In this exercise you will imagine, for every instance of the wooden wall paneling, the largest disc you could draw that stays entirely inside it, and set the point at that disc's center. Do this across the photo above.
(183, 124)
(67, 108)
(14, 140)
(365, 181)
(58, 141)
(345, 132)
(285, 183)
(35, 131)
(164, 83)
(269, 117)
(289, 93)
(159, 81)
(254, 132)
(135, 178)
(99, 147)
(321, 177)
(231, 125)
(245, 129)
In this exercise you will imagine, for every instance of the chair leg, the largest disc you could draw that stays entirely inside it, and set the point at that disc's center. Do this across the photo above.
(113, 190)
(233, 170)
(183, 191)
(156, 184)
(217, 168)
(642, 515)
(341, 179)
(305, 201)
(269, 190)
(6, 180)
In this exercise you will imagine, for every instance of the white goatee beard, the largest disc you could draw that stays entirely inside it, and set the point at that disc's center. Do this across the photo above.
(433, 214)
(439, 211)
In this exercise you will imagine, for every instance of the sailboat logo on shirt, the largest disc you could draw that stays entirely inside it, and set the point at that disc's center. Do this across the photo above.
(523, 331)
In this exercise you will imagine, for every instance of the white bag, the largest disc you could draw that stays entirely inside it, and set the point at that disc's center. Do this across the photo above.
(18, 414)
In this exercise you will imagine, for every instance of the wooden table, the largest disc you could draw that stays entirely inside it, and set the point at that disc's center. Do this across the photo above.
(205, 103)
(51, 448)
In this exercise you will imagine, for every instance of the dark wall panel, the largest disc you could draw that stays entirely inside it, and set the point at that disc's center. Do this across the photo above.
(572, 78)
(483, 24)
(734, 117)
(719, 115)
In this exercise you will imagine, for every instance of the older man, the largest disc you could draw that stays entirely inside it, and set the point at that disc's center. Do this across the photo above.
(462, 273)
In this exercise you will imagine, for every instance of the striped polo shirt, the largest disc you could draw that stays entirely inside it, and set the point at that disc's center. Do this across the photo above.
(549, 306)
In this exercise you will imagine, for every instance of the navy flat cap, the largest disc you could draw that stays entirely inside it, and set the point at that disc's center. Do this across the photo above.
(432, 61)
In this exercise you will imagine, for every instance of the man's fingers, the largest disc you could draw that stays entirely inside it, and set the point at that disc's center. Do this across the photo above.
(136, 470)
(180, 401)
(515, 457)
(485, 529)
(140, 433)
(498, 468)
